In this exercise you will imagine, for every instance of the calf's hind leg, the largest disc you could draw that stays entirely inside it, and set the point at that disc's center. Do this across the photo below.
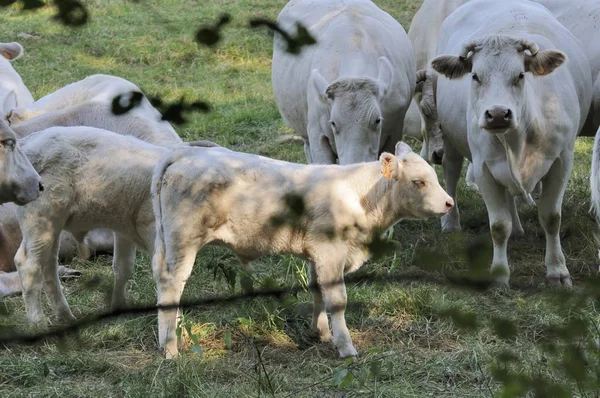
(171, 272)
(123, 264)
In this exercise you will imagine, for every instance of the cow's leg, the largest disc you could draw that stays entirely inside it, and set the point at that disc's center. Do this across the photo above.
(123, 264)
(52, 286)
(307, 151)
(320, 323)
(452, 163)
(495, 198)
(517, 228)
(10, 284)
(549, 212)
(36, 250)
(171, 270)
(330, 276)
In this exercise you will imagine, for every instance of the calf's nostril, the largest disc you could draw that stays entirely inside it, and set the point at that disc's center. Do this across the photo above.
(449, 204)
(508, 115)
(41, 186)
(488, 115)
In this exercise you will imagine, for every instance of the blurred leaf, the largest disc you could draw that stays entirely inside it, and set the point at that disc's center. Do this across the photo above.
(247, 284)
(211, 35)
(6, 3)
(45, 369)
(228, 339)
(463, 320)
(574, 363)
(375, 369)
(504, 328)
(71, 13)
(294, 44)
(134, 99)
(33, 4)
(197, 349)
(363, 376)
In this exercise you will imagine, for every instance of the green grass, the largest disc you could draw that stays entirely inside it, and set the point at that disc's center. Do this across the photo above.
(400, 326)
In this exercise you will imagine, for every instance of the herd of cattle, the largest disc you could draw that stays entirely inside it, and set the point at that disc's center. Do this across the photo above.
(509, 85)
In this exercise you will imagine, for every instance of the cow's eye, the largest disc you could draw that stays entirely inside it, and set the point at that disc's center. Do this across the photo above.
(521, 75)
(419, 184)
(332, 123)
(377, 121)
(475, 77)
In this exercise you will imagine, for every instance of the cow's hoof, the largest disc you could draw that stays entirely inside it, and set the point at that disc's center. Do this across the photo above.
(66, 318)
(451, 228)
(68, 273)
(501, 285)
(325, 337)
(560, 281)
(517, 233)
(349, 352)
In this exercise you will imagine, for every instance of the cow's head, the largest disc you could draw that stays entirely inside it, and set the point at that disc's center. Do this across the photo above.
(19, 182)
(416, 191)
(500, 67)
(353, 127)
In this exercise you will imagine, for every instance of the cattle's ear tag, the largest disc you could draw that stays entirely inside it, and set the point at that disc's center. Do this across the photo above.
(387, 163)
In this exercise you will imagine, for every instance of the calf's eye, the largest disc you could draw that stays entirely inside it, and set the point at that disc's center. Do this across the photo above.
(377, 121)
(475, 77)
(521, 75)
(419, 184)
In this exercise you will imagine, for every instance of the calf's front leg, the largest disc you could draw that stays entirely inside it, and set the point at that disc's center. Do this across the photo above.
(330, 279)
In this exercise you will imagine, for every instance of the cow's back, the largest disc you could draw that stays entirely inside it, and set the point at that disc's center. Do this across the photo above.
(100, 178)
(350, 35)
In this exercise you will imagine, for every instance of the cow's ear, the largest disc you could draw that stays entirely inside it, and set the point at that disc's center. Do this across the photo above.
(402, 149)
(385, 76)
(451, 66)
(321, 86)
(389, 165)
(11, 51)
(544, 62)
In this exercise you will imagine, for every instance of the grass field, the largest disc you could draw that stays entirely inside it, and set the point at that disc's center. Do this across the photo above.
(264, 347)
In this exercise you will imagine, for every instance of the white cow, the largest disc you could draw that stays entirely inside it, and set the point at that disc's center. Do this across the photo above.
(580, 17)
(509, 104)
(96, 179)
(423, 34)
(218, 196)
(13, 92)
(348, 94)
(88, 102)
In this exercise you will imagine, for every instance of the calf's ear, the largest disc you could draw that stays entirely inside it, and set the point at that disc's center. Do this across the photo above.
(11, 51)
(544, 62)
(321, 86)
(451, 66)
(389, 165)
(402, 149)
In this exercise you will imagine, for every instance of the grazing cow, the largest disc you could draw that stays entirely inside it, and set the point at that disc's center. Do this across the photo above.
(348, 94)
(516, 91)
(88, 102)
(13, 92)
(218, 196)
(96, 179)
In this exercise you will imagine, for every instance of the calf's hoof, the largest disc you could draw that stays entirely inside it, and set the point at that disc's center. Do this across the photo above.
(68, 273)
(325, 337)
(66, 318)
(16, 116)
(517, 233)
(560, 280)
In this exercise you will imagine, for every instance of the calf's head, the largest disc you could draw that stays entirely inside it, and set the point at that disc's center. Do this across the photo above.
(19, 182)
(353, 126)
(416, 191)
(500, 68)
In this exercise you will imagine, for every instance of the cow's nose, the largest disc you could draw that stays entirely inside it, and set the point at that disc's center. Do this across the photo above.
(41, 186)
(437, 156)
(449, 204)
(498, 117)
